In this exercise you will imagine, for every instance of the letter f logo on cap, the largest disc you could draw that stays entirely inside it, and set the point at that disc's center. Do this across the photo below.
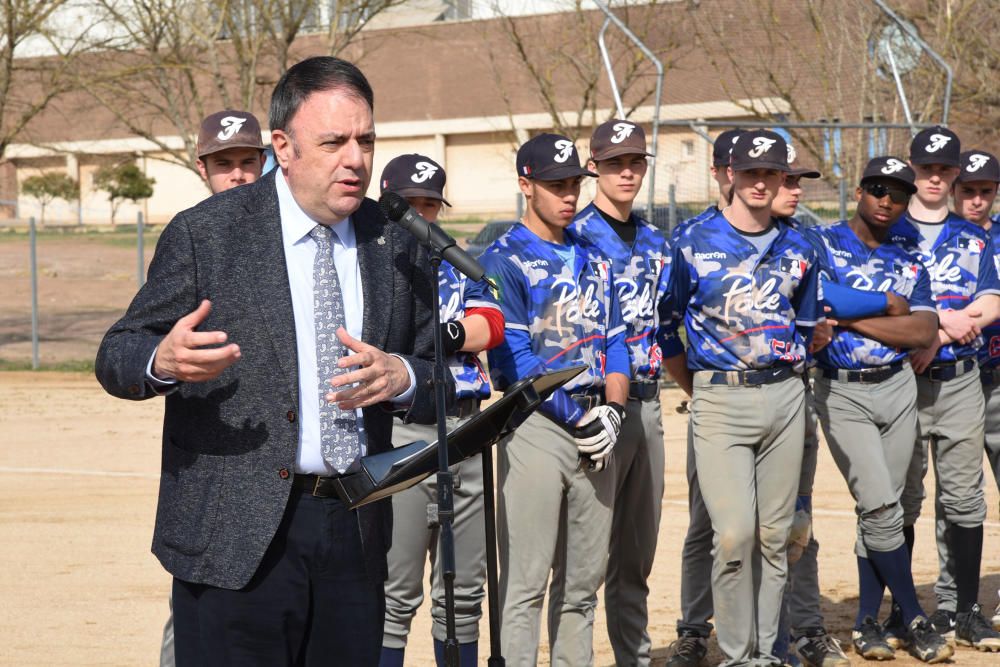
(976, 162)
(938, 141)
(892, 165)
(230, 126)
(624, 131)
(425, 171)
(565, 148)
(762, 145)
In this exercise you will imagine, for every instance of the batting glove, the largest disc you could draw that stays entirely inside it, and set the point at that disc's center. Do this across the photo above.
(597, 432)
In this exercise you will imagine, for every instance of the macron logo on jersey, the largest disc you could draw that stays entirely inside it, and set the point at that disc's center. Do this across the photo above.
(976, 162)
(535, 263)
(892, 165)
(711, 255)
(938, 141)
(624, 131)
(762, 145)
(425, 171)
(565, 148)
(230, 126)
(841, 253)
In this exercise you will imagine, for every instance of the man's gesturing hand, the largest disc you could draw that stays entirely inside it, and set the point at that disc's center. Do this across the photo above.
(182, 354)
(379, 377)
(597, 432)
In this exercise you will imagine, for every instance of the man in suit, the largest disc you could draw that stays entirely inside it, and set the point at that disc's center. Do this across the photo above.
(285, 321)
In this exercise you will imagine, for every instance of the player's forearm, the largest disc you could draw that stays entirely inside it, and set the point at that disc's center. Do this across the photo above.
(616, 388)
(911, 331)
(988, 307)
(676, 367)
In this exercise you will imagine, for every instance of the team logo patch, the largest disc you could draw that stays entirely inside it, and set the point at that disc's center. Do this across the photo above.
(624, 131)
(976, 162)
(938, 141)
(761, 146)
(974, 246)
(656, 264)
(601, 269)
(793, 267)
(565, 148)
(906, 270)
(425, 171)
(892, 165)
(230, 126)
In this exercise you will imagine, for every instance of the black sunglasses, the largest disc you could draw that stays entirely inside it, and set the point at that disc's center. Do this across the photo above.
(879, 190)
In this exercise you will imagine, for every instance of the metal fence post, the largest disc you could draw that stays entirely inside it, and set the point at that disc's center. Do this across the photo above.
(141, 272)
(842, 191)
(32, 242)
(520, 206)
(672, 211)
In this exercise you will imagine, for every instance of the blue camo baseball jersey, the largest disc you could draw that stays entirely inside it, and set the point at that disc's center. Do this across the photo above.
(743, 309)
(989, 353)
(676, 232)
(456, 294)
(845, 260)
(556, 315)
(961, 267)
(641, 273)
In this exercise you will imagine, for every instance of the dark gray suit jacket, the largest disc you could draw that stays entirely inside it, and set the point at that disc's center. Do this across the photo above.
(229, 444)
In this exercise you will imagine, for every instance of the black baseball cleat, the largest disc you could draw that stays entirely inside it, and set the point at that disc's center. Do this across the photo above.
(690, 650)
(943, 622)
(895, 631)
(926, 644)
(869, 643)
(816, 648)
(972, 629)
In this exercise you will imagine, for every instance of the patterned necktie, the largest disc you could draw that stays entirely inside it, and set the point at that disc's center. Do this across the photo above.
(338, 428)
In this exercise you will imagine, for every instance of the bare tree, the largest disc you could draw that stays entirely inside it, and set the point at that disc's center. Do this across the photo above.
(175, 61)
(30, 81)
(553, 62)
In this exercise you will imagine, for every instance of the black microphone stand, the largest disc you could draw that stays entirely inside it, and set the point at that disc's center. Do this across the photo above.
(445, 514)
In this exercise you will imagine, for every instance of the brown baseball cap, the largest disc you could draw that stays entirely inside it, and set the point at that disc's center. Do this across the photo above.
(617, 137)
(228, 129)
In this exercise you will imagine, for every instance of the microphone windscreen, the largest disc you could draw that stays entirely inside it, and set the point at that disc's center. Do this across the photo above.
(393, 205)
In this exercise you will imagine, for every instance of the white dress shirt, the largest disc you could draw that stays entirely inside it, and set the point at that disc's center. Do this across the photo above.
(300, 253)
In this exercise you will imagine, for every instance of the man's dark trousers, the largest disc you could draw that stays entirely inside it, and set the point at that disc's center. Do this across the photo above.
(311, 590)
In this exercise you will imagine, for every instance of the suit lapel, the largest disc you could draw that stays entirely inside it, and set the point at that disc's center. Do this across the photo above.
(265, 262)
(375, 255)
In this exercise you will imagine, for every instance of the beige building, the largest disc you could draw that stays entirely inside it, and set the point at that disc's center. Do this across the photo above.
(455, 90)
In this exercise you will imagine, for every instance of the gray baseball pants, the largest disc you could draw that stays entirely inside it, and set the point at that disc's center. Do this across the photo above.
(801, 600)
(551, 516)
(870, 429)
(638, 471)
(748, 470)
(412, 540)
(951, 423)
(945, 589)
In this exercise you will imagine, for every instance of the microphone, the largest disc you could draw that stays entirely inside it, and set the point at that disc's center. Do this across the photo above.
(397, 209)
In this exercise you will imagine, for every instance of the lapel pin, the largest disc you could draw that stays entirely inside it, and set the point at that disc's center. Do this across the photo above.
(380, 240)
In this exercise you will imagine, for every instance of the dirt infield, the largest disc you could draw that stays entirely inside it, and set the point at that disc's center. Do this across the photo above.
(78, 480)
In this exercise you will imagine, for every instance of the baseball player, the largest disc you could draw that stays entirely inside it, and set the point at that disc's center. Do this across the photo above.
(813, 643)
(951, 410)
(472, 322)
(973, 193)
(640, 257)
(747, 290)
(866, 398)
(558, 294)
(230, 153)
(721, 148)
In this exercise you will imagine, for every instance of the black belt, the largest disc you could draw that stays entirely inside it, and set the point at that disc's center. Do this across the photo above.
(865, 375)
(322, 487)
(643, 390)
(464, 407)
(949, 370)
(751, 378)
(989, 376)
